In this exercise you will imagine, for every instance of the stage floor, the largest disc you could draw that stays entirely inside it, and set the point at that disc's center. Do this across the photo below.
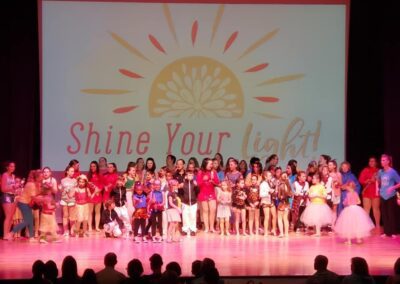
(256, 255)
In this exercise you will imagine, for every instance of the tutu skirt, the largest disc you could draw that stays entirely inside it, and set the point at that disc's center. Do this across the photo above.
(317, 215)
(353, 222)
(173, 215)
(223, 211)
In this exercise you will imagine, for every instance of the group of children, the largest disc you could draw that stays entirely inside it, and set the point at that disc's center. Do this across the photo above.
(152, 208)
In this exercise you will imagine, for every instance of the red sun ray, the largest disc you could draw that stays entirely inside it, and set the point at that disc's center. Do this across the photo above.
(195, 28)
(257, 67)
(122, 110)
(130, 74)
(230, 41)
(267, 99)
(156, 44)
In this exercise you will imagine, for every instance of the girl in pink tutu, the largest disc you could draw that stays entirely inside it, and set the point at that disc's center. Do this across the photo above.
(353, 222)
(317, 213)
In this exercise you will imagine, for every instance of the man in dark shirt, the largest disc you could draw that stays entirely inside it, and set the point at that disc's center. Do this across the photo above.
(323, 275)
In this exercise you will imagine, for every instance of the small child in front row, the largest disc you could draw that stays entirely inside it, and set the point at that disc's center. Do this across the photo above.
(239, 206)
(253, 205)
(118, 194)
(353, 222)
(48, 223)
(140, 215)
(112, 224)
(156, 201)
(173, 212)
(82, 206)
(224, 198)
(317, 213)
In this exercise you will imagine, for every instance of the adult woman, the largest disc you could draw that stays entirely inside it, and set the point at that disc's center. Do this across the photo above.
(387, 183)
(256, 169)
(370, 197)
(8, 196)
(95, 198)
(102, 165)
(206, 180)
(109, 180)
(31, 189)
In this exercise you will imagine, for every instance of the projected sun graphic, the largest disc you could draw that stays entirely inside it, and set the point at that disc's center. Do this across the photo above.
(199, 86)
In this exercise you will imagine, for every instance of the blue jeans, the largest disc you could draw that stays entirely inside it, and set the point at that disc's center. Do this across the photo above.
(27, 216)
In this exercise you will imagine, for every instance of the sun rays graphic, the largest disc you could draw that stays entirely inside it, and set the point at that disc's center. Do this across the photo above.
(198, 86)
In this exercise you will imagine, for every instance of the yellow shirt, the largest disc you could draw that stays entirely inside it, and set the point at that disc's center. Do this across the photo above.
(319, 191)
(29, 191)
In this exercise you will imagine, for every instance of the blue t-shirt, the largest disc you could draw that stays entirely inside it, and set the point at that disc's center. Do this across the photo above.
(387, 179)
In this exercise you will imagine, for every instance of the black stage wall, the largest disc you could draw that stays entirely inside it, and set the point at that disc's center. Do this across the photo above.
(372, 99)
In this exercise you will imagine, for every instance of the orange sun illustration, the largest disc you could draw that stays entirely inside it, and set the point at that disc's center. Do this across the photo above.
(197, 86)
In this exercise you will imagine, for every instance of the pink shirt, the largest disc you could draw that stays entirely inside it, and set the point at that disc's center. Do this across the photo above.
(207, 191)
(81, 196)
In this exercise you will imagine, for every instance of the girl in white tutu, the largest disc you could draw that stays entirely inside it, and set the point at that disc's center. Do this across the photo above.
(317, 213)
(353, 222)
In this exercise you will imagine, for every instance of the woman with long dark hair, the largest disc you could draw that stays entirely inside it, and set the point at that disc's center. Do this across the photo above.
(207, 179)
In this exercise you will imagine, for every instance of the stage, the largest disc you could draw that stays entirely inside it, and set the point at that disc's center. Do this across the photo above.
(234, 256)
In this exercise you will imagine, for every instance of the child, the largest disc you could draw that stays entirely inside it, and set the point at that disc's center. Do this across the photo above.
(67, 187)
(156, 209)
(353, 222)
(267, 192)
(239, 206)
(284, 192)
(301, 189)
(48, 223)
(112, 224)
(118, 194)
(317, 213)
(224, 198)
(18, 218)
(173, 211)
(82, 206)
(188, 194)
(253, 204)
(140, 215)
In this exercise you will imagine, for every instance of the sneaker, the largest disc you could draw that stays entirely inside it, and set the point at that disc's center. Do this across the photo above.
(154, 239)
(66, 235)
(184, 233)
(137, 240)
(32, 240)
(43, 241)
(145, 239)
